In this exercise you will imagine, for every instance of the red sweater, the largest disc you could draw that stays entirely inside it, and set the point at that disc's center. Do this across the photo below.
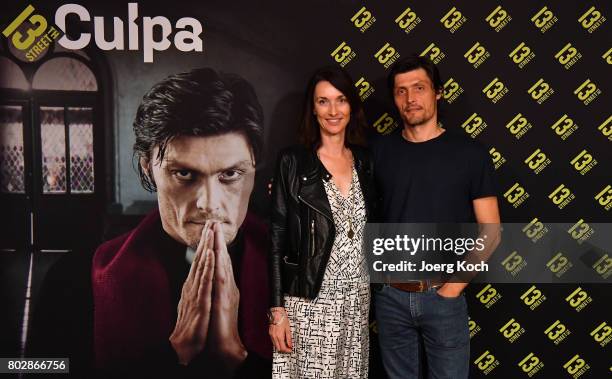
(134, 311)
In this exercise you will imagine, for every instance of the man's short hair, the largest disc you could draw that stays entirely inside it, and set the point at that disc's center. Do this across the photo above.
(199, 103)
(414, 62)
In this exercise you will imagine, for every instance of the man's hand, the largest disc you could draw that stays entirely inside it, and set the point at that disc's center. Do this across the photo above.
(191, 329)
(224, 339)
(487, 216)
(451, 289)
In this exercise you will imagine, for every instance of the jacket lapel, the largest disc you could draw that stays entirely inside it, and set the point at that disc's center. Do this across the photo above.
(364, 175)
(311, 189)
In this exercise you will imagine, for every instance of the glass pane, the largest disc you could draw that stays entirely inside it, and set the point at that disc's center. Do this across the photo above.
(53, 140)
(66, 74)
(11, 150)
(11, 75)
(81, 150)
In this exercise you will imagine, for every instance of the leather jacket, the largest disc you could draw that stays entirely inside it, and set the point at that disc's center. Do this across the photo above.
(302, 225)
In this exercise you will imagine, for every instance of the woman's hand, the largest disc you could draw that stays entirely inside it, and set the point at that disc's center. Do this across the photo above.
(280, 331)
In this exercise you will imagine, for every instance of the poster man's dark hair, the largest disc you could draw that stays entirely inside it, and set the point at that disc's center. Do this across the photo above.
(202, 103)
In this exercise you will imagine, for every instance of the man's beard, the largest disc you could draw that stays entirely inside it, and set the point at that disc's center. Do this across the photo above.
(416, 120)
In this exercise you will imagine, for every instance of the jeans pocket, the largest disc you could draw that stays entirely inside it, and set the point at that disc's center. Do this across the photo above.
(447, 298)
(447, 319)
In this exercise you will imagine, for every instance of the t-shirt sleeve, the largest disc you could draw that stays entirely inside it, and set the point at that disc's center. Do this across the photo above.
(483, 182)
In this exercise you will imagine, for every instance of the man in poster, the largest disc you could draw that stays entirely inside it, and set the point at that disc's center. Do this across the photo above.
(185, 292)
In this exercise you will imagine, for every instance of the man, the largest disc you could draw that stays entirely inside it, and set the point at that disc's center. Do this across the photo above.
(426, 175)
(186, 290)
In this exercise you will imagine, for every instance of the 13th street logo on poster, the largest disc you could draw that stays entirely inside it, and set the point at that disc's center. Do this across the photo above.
(31, 32)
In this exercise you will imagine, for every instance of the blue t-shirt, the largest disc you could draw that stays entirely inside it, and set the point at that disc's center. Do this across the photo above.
(431, 181)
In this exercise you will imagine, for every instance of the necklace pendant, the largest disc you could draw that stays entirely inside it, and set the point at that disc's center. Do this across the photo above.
(350, 233)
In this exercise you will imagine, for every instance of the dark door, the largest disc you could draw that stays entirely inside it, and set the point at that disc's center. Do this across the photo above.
(67, 196)
(51, 175)
(52, 182)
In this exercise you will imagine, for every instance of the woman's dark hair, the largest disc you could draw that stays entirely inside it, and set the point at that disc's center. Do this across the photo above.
(309, 133)
(201, 103)
(413, 62)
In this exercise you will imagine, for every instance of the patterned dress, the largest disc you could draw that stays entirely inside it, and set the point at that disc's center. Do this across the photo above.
(330, 333)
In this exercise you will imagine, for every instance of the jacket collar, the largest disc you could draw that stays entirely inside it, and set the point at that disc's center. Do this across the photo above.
(311, 172)
(311, 190)
(313, 167)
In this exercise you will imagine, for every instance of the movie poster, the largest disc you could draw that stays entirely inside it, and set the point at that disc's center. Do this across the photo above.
(527, 80)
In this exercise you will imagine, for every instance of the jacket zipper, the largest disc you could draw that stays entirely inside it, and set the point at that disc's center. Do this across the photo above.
(315, 209)
(286, 259)
(312, 238)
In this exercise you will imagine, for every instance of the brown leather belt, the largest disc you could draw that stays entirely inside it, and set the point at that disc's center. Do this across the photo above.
(416, 285)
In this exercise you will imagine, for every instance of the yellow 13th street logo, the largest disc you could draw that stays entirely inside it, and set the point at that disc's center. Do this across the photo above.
(533, 228)
(532, 295)
(536, 159)
(38, 22)
(510, 328)
(485, 360)
(585, 90)
(574, 364)
(529, 362)
(579, 229)
(520, 54)
(555, 330)
(601, 332)
(341, 52)
(476, 53)
(496, 17)
(581, 160)
(362, 85)
(384, 124)
(577, 297)
(589, 18)
(566, 54)
(452, 18)
(360, 18)
(407, 19)
(604, 197)
(486, 294)
(496, 156)
(560, 194)
(562, 125)
(434, 52)
(494, 88)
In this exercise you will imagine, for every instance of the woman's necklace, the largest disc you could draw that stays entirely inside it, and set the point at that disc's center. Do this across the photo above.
(350, 233)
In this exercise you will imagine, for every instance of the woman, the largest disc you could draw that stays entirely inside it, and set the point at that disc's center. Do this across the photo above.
(321, 199)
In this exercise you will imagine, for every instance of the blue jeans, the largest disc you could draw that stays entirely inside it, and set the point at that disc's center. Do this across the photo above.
(412, 322)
